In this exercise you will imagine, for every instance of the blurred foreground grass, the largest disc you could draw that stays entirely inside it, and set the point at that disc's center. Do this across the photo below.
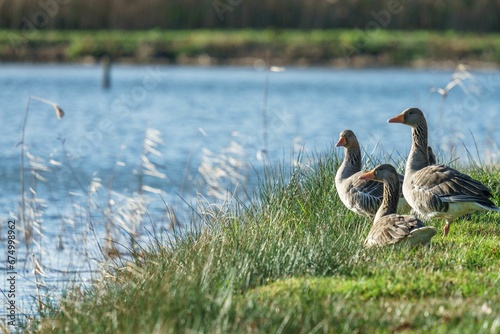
(353, 47)
(293, 262)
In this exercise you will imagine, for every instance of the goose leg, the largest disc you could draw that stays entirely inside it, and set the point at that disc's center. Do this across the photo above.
(446, 228)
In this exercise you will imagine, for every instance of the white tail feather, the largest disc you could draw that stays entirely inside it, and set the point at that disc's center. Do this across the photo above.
(422, 235)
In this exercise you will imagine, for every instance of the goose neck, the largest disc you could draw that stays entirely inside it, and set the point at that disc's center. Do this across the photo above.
(390, 200)
(418, 157)
(351, 163)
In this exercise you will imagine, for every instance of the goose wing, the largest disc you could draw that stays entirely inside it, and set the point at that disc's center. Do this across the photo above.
(365, 196)
(391, 229)
(437, 185)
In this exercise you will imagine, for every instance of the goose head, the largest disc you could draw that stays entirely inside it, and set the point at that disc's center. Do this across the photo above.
(381, 173)
(410, 116)
(348, 139)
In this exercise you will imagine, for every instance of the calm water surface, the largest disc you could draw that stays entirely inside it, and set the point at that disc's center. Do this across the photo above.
(209, 119)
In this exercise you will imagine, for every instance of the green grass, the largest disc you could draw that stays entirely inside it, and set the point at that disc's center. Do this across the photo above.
(385, 47)
(293, 262)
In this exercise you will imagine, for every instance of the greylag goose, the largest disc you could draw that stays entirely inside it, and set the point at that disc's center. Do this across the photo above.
(438, 191)
(388, 227)
(360, 196)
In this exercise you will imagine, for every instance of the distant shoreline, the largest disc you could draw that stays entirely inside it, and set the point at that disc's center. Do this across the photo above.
(333, 48)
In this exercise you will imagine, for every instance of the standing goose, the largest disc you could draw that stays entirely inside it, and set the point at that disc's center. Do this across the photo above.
(438, 191)
(360, 196)
(388, 227)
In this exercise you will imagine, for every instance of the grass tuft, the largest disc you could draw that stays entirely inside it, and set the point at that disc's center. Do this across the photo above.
(292, 261)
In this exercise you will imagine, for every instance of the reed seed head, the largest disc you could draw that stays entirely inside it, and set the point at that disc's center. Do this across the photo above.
(59, 111)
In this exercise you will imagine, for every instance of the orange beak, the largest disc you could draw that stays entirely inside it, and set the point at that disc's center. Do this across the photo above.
(368, 176)
(397, 119)
(341, 142)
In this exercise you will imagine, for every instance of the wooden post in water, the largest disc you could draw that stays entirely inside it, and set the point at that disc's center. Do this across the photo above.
(106, 69)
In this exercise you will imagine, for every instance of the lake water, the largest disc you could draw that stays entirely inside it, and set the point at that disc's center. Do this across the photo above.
(207, 127)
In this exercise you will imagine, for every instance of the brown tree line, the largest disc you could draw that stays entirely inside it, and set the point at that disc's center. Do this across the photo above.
(462, 15)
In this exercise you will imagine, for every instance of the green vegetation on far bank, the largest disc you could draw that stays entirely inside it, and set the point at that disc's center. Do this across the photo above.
(280, 47)
(293, 262)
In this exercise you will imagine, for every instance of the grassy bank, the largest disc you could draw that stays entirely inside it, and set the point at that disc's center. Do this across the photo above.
(281, 47)
(293, 262)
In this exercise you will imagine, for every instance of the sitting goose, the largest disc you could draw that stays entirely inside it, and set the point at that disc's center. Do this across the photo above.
(388, 227)
(360, 196)
(438, 191)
